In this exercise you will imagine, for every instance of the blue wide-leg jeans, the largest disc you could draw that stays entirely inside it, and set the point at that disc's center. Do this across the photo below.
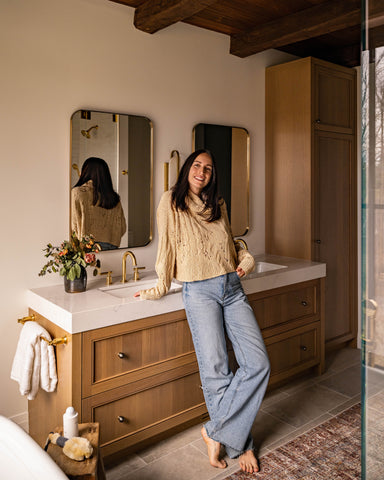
(214, 307)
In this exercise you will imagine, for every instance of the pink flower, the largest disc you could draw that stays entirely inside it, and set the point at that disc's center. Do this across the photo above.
(89, 257)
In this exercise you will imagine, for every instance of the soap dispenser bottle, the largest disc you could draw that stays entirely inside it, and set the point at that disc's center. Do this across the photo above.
(70, 423)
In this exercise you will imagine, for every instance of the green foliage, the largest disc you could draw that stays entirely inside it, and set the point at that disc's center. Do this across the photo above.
(71, 256)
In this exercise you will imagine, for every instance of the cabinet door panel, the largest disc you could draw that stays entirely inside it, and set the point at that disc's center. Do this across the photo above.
(335, 229)
(335, 100)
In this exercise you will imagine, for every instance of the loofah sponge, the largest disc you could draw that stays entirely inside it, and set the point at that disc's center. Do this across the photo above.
(76, 448)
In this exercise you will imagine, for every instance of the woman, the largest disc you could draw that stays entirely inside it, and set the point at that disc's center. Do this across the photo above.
(196, 247)
(96, 207)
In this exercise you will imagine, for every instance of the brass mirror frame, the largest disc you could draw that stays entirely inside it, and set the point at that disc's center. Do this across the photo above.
(235, 181)
(74, 166)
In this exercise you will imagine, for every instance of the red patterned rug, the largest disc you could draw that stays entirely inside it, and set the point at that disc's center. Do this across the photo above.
(330, 451)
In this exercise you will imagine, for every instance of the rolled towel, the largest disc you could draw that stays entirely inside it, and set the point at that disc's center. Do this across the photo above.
(34, 363)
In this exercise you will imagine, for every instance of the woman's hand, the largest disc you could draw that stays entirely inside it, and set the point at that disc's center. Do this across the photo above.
(240, 272)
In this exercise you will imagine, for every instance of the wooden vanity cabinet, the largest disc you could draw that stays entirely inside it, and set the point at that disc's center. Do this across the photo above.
(311, 186)
(140, 379)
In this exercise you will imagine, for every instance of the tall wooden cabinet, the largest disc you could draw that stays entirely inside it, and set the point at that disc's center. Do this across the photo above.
(311, 179)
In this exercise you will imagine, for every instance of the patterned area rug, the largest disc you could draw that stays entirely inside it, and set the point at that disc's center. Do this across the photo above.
(330, 451)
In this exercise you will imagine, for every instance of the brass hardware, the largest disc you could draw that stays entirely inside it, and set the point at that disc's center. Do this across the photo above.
(166, 174)
(121, 355)
(177, 161)
(241, 242)
(56, 341)
(124, 266)
(121, 419)
(30, 318)
(87, 133)
(136, 273)
(304, 303)
(76, 167)
(124, 172)
(108, 280)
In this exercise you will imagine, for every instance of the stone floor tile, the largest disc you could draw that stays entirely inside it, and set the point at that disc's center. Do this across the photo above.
(119, 471)
(346, 382)
(186, 463)
(170, 444)
(343, 358)
(305, 405)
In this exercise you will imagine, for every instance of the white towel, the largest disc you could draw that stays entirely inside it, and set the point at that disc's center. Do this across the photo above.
(34, 361)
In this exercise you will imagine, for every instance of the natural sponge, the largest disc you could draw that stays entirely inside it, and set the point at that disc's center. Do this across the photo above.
(76, 448)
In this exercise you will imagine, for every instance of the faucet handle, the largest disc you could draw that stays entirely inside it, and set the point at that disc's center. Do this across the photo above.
(109, 277)
(136, 273)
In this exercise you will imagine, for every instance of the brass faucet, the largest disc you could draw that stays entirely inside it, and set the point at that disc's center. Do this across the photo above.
(134, 264)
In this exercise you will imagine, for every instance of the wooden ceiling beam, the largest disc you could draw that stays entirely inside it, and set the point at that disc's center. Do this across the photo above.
(153, 15)
(309, 23)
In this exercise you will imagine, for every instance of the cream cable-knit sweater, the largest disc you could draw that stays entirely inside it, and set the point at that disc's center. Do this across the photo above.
(190, 248)
(106, 225)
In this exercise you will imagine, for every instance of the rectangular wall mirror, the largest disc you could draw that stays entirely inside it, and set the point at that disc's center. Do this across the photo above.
(125, 142)
(230, 146)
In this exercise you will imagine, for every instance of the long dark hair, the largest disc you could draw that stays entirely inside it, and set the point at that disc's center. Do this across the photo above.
(97, 170)
(209, 193)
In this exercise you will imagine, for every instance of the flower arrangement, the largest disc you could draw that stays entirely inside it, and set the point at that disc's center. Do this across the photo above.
(71, 256)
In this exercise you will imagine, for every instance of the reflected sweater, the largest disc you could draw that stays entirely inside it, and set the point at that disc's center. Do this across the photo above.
(190, 248)
(106, 225)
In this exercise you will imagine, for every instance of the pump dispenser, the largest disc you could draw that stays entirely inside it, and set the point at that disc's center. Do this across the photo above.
(70, 423)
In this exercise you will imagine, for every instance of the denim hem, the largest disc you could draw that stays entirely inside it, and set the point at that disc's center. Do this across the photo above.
(226, 446)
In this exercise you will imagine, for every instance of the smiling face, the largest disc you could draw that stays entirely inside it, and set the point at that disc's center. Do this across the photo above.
(200, 173)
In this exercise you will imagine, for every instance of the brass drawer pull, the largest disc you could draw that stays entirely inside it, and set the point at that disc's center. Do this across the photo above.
(304, 348)
(121, 419)
(304, 303)
(121, 355)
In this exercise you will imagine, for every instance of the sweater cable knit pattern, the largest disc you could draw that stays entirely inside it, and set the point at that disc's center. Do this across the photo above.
(192, 249)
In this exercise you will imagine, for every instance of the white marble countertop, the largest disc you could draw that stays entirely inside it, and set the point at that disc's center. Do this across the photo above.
(101, 306)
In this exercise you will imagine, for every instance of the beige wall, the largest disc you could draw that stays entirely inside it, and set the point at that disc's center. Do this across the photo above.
(58, 56)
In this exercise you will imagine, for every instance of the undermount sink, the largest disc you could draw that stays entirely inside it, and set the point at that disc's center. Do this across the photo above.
(261, 267)
(127, 290)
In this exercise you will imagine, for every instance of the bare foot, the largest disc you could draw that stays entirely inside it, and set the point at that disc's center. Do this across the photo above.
(213, 450)
(248, 462)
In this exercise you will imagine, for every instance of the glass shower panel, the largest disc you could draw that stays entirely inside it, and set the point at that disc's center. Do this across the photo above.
(372, 244)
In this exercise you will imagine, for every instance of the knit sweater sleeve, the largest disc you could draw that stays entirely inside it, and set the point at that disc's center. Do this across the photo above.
(166, 250)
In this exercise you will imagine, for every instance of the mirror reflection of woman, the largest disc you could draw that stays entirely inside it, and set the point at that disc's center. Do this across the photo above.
(197, 248)
(95, 206)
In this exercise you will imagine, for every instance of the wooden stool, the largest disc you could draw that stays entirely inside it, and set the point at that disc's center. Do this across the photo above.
(90, 469)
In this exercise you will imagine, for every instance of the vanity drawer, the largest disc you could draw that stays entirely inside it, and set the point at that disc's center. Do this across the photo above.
(299, 303)
(294, 351)
(114, 356)
(131, 418)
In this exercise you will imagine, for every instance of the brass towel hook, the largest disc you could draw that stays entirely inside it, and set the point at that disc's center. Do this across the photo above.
(30, 318)
(54, 342)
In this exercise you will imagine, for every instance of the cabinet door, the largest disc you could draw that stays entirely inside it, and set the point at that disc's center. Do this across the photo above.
(335, 231)
(335, 103)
